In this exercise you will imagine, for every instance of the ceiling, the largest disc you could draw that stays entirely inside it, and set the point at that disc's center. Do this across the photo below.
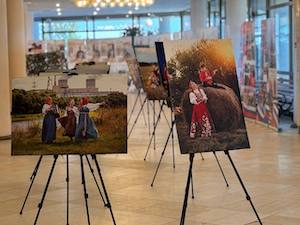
(47, 8)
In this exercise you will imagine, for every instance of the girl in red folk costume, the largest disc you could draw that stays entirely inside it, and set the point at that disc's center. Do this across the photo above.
(201, 119)
(206, 77)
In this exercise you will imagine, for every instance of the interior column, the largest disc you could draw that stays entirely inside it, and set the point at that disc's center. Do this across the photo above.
(5, 128)
(199, 14)
(16, 38)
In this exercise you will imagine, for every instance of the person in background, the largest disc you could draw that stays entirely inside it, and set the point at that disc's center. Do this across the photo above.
(69, 120)
(201, 118)
(206, 77)
(51, 112)
(86, 128)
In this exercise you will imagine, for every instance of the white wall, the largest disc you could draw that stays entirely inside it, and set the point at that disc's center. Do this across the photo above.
(5, 128)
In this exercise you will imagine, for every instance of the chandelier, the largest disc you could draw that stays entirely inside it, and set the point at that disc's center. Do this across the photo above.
(113, 3)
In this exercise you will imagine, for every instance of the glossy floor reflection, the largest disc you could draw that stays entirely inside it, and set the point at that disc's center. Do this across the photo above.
(271, 172)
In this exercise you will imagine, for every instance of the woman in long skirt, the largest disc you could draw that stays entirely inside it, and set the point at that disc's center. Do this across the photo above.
(86, 128)
(69, 120)
(50, 112)
(201, 118)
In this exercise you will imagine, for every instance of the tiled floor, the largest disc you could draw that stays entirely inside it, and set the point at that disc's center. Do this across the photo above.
(270, 170)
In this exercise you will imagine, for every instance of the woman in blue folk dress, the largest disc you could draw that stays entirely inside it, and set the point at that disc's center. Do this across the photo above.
(86, 128)
(50, 112)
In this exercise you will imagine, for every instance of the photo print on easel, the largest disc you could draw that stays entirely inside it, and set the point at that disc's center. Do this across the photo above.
(150, 74)
(205, 95)
(134, 72)
(83, 114)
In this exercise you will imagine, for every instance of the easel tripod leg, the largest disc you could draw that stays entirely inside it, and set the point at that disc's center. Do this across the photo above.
(148, 112)
(192, 184)
(32, 178)
(162, 155)
(68, 188)
(173, 151)
(134, 105)
(136, 119)
(40, 206)
(187, 190)
(141, 103)
(154, 127)
(154, 130)
(243, 186)
(201, 156)
(85, 194)
(104, 188)
(220, 167)
(94, 177)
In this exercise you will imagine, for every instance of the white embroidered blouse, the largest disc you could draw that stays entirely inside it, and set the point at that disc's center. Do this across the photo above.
(197, 96)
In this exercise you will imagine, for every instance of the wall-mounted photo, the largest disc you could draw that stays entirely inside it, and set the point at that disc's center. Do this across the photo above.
(205, 96)
(80, 114)
(150, 74)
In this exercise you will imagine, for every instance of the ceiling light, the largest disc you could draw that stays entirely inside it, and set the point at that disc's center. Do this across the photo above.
(59, 13)
(58, 9)
(113, 3)
(57, 5)
(130, 12)
(97, 9)
(95, 13)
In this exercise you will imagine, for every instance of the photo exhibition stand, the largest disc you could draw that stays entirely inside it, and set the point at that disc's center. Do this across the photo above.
(104, 195)
(189, 183)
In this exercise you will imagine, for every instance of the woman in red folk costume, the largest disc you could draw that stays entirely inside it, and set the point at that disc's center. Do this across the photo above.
(201, 118)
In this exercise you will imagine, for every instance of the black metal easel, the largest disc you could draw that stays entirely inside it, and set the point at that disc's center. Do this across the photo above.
(40, 205)
(138, 98)
(137, 117)
(164, 150)
(155, 124)
(189, 182)
(32, 178)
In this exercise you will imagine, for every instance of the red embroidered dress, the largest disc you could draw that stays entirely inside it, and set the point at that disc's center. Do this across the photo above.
(201, 119)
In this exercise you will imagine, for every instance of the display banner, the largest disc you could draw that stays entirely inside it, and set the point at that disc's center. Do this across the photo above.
(205, 95)
(247, 74)
(267, 104)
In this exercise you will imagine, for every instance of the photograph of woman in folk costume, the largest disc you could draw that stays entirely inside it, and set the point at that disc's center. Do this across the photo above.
(201, 119)
(50, 112)
(86, 128)
(69, 120)
(153, 78)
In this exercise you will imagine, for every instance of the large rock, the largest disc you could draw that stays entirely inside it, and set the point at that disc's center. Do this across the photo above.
(223, 105)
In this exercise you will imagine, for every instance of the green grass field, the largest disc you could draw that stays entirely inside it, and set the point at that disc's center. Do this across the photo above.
(110, 122)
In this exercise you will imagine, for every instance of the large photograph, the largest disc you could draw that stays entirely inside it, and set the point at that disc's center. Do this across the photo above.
(205, 95)
(150, 74)
(69, 115)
